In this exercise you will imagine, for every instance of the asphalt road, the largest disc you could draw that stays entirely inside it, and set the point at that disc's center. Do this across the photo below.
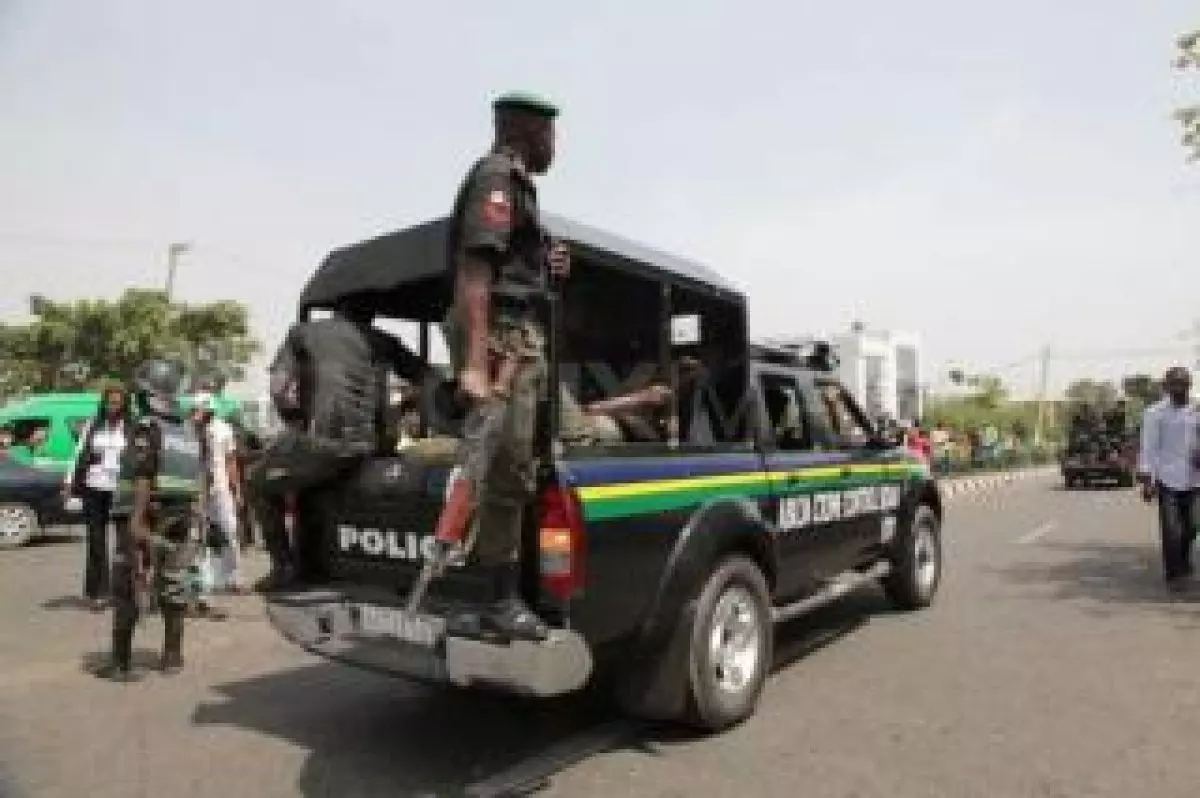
(1052, 664)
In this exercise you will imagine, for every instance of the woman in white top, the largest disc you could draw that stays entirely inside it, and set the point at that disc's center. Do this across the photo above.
(94, 477)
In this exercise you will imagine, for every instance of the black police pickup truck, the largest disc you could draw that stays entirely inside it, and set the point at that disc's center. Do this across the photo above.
(662, 562)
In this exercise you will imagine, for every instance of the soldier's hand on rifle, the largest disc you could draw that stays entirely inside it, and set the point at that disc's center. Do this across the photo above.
(559, 258)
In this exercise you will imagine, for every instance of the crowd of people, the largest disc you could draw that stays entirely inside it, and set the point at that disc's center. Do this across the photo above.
(94, 477)
(948, 448)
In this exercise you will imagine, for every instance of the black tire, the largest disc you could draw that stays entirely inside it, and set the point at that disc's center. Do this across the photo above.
(736, 582)
(19, 524)
(916, 562)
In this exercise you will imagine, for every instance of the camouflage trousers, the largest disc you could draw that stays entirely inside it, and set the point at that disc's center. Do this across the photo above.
(172, 554)
(495, 455)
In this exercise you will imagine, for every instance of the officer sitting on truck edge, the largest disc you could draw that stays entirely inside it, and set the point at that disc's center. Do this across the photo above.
(329, 385)
(154, 547)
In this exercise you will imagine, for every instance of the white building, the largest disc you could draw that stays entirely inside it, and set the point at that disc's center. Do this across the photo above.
(882, 369)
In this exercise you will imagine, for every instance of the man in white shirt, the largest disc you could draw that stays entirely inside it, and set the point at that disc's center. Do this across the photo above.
(1168, 470)
(218, 449)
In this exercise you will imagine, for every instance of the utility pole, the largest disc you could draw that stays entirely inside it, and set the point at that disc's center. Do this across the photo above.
(173, 252)
(1043, 381)
(1196, 348)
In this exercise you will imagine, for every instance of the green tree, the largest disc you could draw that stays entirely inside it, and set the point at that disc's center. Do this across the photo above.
(986, 404)
(1092, 392)
(1188, 58)
(1141, 390)
(18, 366)
(76, 343)
(988, 391)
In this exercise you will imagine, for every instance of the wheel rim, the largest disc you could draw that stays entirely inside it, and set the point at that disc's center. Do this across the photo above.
(735, 641)
(925, 556)
(16, 523)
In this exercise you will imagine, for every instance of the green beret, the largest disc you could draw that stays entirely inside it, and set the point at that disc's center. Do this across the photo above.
(526, 101)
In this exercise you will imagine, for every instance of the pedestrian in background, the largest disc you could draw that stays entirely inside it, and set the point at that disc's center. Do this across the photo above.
(222, 485)
(942, 445)
(1167, 467)
(94, 476)
(918, 442)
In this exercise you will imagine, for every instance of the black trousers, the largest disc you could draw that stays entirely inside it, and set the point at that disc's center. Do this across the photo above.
(1177, 527)
(97, 505)
(300, 464)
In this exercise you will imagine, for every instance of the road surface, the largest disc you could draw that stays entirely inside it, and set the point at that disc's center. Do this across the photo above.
(1052, 664)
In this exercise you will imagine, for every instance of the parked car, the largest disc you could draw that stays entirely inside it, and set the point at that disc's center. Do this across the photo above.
(31, 500)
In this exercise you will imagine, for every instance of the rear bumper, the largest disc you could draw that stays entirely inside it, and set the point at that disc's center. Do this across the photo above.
(328, 623)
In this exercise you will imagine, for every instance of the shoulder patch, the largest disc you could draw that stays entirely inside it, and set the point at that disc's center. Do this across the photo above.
(497, 208)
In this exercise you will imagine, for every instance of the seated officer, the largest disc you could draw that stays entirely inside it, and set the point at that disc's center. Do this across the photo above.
(601, 421)
(596, 422)
(329, 380)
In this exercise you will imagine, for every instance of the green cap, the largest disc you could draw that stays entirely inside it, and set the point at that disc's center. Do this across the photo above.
(526, 101)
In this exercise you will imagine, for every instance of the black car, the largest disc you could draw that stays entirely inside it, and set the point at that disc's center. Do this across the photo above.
(31, 500)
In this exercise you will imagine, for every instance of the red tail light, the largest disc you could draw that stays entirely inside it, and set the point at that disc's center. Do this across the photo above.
(560, 542)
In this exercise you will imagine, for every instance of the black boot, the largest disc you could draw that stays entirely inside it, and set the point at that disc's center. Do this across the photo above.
(120, 667)
(172, 655)
(509, 615)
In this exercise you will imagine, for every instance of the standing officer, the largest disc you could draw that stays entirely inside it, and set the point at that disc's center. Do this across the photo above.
(499, 254)
(154, 548)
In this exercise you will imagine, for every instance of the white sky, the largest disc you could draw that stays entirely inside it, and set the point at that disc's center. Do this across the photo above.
(995, 177)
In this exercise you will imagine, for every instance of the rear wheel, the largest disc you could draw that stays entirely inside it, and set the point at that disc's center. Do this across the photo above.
(916, 562)
(18, 525)
(731, 645)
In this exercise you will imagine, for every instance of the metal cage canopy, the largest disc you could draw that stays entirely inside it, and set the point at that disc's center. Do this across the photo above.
(413, 261)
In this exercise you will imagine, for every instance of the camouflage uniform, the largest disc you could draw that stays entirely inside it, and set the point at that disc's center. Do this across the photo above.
(495, 221)
(496, 454)
(153, 538)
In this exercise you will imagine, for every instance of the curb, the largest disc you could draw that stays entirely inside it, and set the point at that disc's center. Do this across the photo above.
(960, 486)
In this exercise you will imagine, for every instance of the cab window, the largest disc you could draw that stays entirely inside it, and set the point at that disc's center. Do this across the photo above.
(839, 422)
(787, 419)
(30, 432)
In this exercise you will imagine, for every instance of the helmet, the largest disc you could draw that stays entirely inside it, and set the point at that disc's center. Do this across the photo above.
(158, 382)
